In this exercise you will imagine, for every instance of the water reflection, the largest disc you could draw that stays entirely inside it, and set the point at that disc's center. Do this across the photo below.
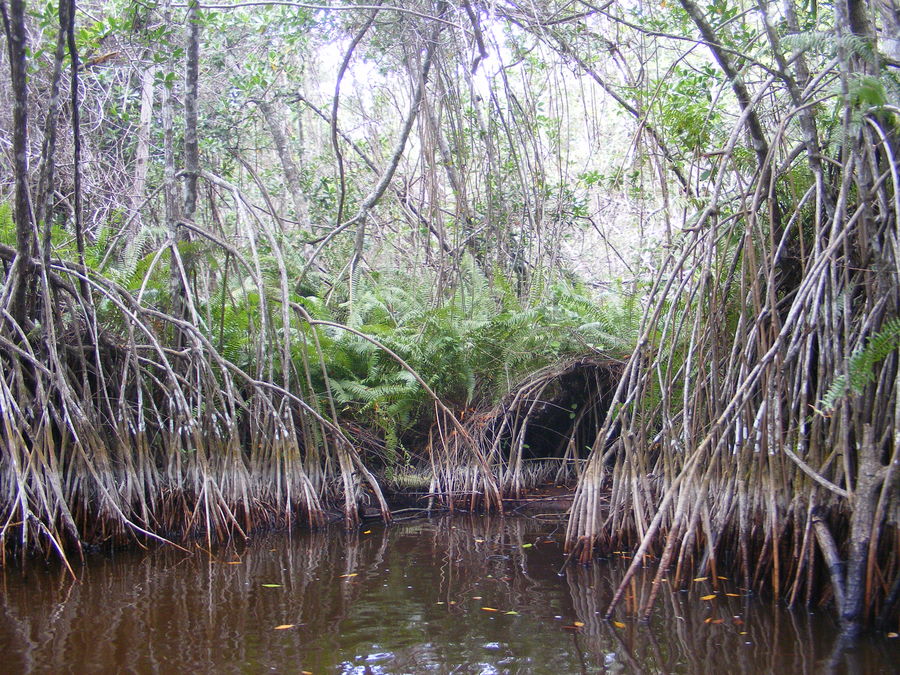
(462, 595)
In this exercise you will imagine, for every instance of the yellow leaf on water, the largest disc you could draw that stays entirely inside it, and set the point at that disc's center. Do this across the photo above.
(490, 609)
(368, 532)
(711, 596)
(618, 624)
(479, 541)
(701, 578)
(723, 578)
(476, 597)
(284, 626)
(347, 576)
(733, 595)
(512, 612)
(234, 562)
(271, 585)
(578, 624)
(893, 635)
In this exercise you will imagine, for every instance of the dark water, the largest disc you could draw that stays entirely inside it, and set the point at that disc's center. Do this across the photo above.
(405, 599)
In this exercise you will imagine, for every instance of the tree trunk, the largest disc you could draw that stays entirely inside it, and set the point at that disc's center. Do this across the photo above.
(181, 267)
(76, 141)
(17, 44)
(142, 153)
(863, 501)
(191, 77)
(46, 182)
(291, 172)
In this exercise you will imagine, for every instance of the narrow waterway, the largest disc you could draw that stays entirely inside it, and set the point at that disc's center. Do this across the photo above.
(467, 594)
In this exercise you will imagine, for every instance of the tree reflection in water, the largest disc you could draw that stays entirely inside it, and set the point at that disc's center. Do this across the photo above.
(413, 597)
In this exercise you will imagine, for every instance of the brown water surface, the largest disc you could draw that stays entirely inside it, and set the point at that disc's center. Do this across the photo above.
(466, 594)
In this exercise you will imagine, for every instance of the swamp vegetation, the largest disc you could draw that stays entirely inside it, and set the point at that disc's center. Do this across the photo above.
(269, 262)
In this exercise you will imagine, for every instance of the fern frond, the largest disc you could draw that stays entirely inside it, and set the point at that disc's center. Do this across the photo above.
(862, 364)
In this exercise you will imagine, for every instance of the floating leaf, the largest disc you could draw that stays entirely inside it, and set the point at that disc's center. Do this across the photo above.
(618, 624)
(717, 621)
(476, 597)
(512, 612)
(479, 541)
(347, 576)
(893, 635)
(271, 585)
(701, 578)
(711, 596)
(733, 595)
(578, 624)
(234, 562)
(527, 545)
(368, 532)
(723, 578)
(285, 626)
(490, 609)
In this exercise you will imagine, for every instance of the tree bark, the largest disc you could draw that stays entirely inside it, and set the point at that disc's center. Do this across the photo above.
(142, 153)
(191, 143)
(181, 267)
(288, 165)
(46, 181)
(17, 44)
(76, 140)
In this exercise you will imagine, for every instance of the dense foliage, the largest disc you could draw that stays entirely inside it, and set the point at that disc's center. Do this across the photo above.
(264, 259)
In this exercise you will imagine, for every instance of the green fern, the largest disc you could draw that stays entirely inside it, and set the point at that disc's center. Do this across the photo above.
(862, 364)
(7, 227)
(828, 43)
